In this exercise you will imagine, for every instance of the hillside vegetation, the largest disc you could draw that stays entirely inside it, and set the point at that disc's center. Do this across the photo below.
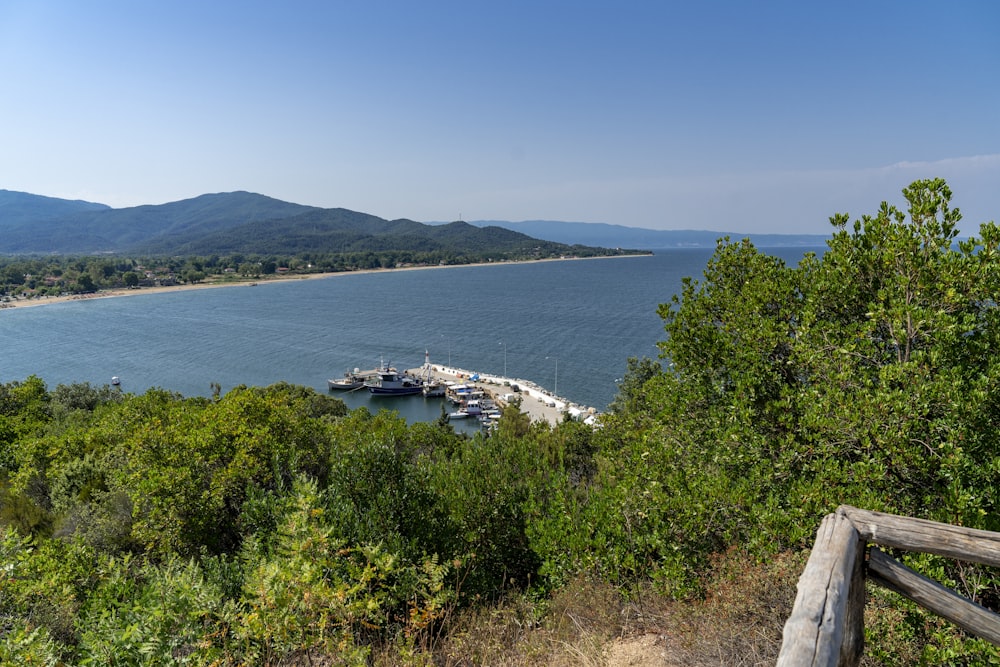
(272, 526)
(53, 247)
(248, 223)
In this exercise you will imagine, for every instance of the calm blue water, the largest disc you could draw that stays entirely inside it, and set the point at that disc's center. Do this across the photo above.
(568, 326)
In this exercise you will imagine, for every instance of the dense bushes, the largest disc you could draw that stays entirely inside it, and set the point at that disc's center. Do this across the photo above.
(263, 526)
(864, 376)
(271, 526)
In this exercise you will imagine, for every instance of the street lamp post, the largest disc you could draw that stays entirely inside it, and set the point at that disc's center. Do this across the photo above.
(504, 358)
(449, 349)
(556, 390)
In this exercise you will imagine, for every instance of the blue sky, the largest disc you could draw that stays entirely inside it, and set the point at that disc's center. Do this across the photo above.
(728, 116)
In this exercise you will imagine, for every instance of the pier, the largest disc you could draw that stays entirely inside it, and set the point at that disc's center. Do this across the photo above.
(538, 403)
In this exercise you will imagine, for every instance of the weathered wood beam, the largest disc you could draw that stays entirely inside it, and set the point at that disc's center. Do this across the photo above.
(934, 597)
(825, 629)
(903, 532)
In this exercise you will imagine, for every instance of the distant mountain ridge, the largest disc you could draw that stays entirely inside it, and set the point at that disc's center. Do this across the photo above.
(245, 222)
(242, 222)
(619, 236)
(24, 207)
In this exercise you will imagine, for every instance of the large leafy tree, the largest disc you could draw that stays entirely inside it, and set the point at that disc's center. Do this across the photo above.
(896, 341)
(865, 375)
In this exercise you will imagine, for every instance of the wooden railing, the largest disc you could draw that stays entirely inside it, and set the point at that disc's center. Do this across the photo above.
(826, 626)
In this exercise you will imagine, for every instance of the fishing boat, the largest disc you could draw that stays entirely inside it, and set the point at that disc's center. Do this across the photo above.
(434, 389)
(387, 381)
(472, 408)
(460, 394)
(352, 380)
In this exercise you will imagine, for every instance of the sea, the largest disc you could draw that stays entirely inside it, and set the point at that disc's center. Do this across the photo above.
(568, 326)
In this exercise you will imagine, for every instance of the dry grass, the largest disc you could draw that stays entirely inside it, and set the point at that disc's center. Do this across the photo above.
(592, 624)
(742, 617)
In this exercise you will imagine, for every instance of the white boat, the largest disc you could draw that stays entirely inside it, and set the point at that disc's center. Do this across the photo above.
(472, 408)
(390, 382)
(352, 380)
(433, 389)
(460, 394)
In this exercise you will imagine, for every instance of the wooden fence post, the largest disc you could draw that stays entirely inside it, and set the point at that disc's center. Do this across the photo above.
(826, 627)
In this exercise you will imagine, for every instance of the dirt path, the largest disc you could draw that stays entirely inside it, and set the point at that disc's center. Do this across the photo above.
(642, 651)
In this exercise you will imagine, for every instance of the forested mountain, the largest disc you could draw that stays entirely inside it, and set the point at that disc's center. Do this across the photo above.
(21, 207)
(342, 231)
(237, 222)
(244, 222)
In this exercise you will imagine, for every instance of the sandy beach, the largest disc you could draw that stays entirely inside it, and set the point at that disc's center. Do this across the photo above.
(105, 294)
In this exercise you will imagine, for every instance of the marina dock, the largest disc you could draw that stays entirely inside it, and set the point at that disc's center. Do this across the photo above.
(538, 403)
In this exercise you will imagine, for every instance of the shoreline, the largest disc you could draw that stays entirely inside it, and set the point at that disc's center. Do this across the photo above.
(124, 292)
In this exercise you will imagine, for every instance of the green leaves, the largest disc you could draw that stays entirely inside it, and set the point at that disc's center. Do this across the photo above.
(142, 613)
(269, 525)
(318, 593)
(867, 375)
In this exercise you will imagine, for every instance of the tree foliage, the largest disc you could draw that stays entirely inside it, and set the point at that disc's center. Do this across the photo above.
(262, 526)
(866, 375)
(272, 526)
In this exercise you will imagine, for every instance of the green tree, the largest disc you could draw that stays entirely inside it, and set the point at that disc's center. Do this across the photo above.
(862, 376)
(189, 465)
(380, 487)
(193, 276)
(23, 411)
(491, 487)
(84, 284)
(319, 594)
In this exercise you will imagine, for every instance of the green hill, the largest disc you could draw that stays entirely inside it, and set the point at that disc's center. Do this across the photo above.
(240, 222)
(21, 209)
